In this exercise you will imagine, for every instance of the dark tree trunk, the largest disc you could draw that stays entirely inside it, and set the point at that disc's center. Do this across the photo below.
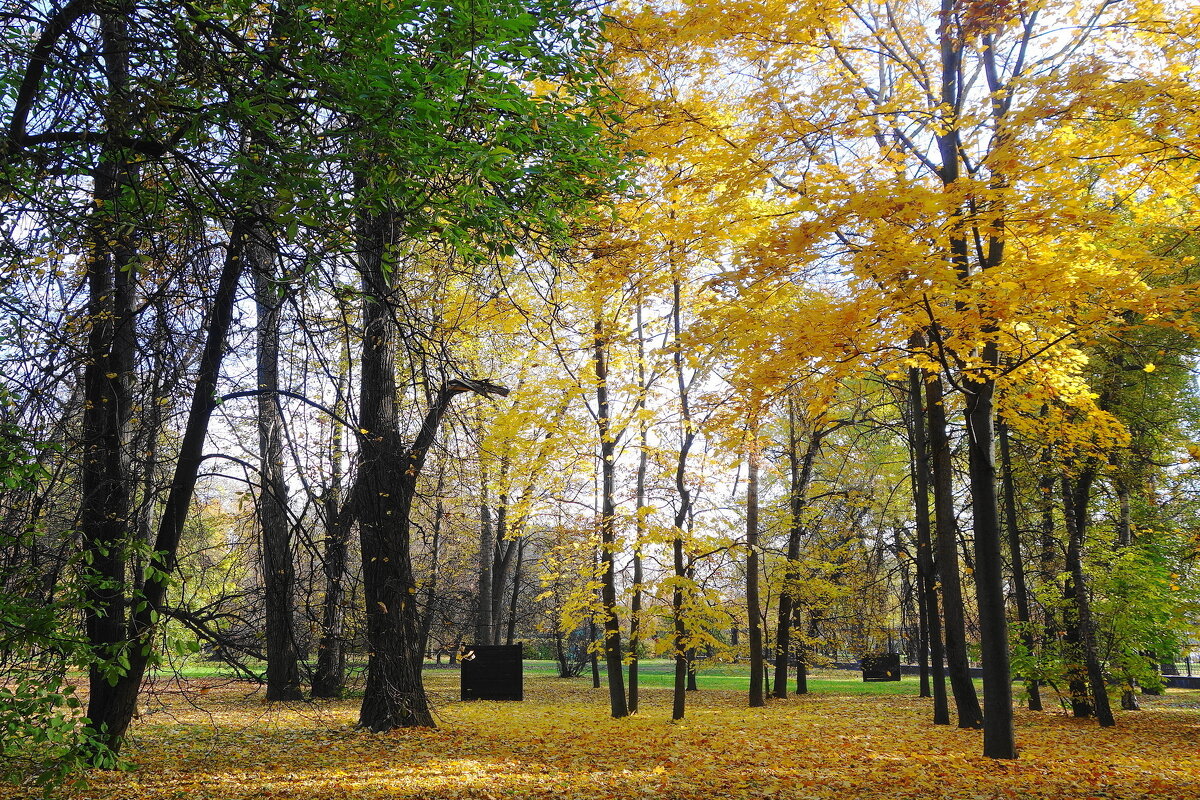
(1020, 586)
(753, 604)
(801, 654)
(1076, 496)
(435, 555)
(394, 695)
(927, 573)
(635, 603)
(608, 531)
(684, 677)
(593, 634)
(113, 710)
(105, 513)
(639, 521)
(279, 575)
(514, 596)
(330, 675)
(502, 557)
(487, 548)
(923, 675)
(998, 739)
(958, 668)
(384, 492)
(800, 471)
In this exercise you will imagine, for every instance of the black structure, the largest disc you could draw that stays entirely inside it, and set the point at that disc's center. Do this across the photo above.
(881, 667)
(492, 672)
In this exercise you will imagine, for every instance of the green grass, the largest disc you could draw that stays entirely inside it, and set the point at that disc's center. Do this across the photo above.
(658, 673)
(736, 678)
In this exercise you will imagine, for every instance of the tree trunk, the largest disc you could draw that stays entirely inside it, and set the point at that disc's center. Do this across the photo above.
(753, 604)
(516, 591)
(435, 554)
(279, 575)
(1020, 586)
(394, 695)
(502, 556)
(487, 548)
(639, 521)
(800, 471)
(105, 512)
(593, 634)
(989, 567)
(330, 675)
(801, 653)
(684, 677)
(112, 711)
(927, 571)
(1075, 509)
(608, 530)
(966, 702)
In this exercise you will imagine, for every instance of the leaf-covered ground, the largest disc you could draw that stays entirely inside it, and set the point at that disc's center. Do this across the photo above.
(222, 741)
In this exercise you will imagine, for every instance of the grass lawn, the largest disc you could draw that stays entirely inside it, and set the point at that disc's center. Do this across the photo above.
(213, 739)
(652, 673)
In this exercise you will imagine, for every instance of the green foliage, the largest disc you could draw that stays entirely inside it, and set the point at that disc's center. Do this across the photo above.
(45, 742)
(474, 124)
(1144, 607)
(44, 739)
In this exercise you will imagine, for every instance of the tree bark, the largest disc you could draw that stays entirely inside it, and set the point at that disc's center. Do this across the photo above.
(801, 653)
(330, 675)
(639, 521)
(510, 635)
(105, 513)
(927, 572)
(684, 678)
(487, 548)
(112, 711)
(279, 574)
(800, 471)
(1076, 495)
(998, 739)
(608, 530)
(1020, 586)
(966, 702)
(753, 603)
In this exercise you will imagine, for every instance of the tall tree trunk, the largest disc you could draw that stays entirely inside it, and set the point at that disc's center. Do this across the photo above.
(608, 529)
(387, 485)
(105, 513)
(966, 702)
(502, 555)
(801, 653)
(113, 710)
(435, 555)
(395, 695)
(639, 519)
(510, 635)
(753, 603)
(1076, 496)
(279, 574)
(998, 739)
(1020, 586)
(487, 548)
(594, 634)
(330, 675)
(800, 471)
(683, 508)
(927, 572)
(923, 674)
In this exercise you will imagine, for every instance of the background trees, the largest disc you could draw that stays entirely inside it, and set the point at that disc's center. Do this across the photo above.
(411, 204)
